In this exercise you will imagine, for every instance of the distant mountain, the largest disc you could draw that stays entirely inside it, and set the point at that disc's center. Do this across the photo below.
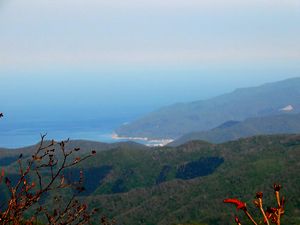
(179, 119)
(233, 130)
(186, 184)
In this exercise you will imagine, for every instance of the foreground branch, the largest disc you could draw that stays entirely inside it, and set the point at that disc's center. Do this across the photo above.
(272, 215)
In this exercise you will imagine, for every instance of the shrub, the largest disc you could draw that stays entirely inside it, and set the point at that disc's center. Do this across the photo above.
(271, 214)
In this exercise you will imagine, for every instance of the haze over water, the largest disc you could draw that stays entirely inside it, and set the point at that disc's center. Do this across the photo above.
(80, 69)
(91, 108)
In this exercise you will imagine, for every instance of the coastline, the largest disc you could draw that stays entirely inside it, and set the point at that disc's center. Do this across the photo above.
(147, 141)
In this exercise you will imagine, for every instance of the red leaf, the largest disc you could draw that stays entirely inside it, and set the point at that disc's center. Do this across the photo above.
(239, 204)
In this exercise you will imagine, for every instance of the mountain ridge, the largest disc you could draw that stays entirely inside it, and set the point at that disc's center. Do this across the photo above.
(182, 118)
(122, 182)
(233, 130)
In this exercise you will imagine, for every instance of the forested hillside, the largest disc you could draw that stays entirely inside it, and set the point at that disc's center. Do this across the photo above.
(187, 184)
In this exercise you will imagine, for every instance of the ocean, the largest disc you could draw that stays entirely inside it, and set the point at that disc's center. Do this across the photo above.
(29, 133)
(24, 134)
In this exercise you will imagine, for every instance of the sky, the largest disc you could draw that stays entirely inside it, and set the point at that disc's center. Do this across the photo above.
(90, 33)
(85, 59)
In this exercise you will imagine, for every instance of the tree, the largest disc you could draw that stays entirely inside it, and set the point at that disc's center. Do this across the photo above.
(41, 176)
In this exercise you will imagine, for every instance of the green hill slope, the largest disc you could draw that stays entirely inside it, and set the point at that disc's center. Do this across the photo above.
(248, 165)
(186, 184)
(179, 119)
(232, 130)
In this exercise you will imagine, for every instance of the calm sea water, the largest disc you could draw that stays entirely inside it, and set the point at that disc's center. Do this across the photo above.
(25, 137)
(28, 133)
(25, 134)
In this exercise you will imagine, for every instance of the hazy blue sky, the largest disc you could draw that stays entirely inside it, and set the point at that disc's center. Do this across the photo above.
(126, 57)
